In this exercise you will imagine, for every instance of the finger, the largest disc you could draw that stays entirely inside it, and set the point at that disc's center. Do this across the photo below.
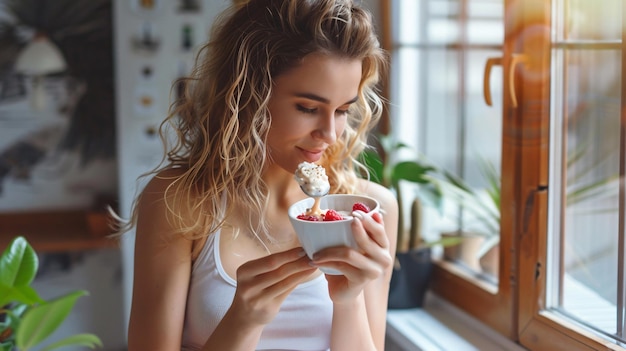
(270, 262)
(255, 283)
(350, 262)
(263, 272)
(287, 283)
(374, 229)
(373, 250)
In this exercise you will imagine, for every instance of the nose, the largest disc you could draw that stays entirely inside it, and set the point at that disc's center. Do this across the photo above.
(325, 130)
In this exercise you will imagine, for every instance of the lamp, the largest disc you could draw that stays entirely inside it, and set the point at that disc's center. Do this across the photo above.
(39, 58)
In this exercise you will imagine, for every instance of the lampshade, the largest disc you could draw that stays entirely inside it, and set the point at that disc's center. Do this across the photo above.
(40, 57)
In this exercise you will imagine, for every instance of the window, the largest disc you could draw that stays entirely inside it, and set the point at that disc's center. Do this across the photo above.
(585, 235)
(554, 129)
(439, 51)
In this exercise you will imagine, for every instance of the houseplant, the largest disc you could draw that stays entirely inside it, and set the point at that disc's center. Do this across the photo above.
(483, 205)
(479, 219)
(413, 266)
(385, 170)
(26, 319)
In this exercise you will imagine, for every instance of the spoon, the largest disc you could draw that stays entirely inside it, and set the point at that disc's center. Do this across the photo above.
(314, 183)
(316, 191)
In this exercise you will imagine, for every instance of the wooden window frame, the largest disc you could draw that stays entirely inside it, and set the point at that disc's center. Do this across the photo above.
(517, 309)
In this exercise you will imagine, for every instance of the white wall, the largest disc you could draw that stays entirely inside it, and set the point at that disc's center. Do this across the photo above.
(100, 312)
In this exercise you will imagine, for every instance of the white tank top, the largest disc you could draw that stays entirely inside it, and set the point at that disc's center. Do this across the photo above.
(302, 324)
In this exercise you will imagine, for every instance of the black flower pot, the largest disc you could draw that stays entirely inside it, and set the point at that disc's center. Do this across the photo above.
(410, 280)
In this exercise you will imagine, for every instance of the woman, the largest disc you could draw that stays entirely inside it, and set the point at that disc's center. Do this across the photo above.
(217, 263)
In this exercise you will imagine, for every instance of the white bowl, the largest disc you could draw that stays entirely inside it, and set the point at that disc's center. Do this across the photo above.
(317, 235)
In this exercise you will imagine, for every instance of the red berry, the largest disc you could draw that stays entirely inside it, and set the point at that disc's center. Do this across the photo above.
(332, 215)
(306, 217)
(359, 206)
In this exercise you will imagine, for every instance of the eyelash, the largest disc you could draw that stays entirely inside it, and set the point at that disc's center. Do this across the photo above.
(305, 110)
(313, 110)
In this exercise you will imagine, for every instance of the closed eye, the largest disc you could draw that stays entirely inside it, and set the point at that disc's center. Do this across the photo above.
(305, 110)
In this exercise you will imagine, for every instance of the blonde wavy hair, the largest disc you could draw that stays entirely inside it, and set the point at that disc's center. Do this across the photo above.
(221, 121)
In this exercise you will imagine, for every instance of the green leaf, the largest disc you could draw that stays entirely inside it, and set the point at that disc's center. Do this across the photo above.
(18, 264)
(41, 321)
(88, 340)
(22, 294)
(592, 190)
(475, 203)
(458, 182)
(411, 171)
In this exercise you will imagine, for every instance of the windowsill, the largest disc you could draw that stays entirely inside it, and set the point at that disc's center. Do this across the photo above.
(440, 326)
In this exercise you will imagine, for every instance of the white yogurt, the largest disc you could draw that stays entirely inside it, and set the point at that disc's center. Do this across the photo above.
(313, 179)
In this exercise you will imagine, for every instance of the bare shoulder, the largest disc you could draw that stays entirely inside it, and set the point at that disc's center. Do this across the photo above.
(152, 206)
(165, 216)
(386, 198)
(160, 182)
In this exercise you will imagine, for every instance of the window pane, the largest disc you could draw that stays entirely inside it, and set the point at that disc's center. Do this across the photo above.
(591, 20)
(584, 279)
(441, 47)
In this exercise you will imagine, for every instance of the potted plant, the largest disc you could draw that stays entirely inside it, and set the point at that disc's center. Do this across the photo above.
(413, 266)
(480, 225)
(482, 207)
(26, 319)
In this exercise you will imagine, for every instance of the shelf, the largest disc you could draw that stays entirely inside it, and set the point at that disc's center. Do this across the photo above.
(57, 231)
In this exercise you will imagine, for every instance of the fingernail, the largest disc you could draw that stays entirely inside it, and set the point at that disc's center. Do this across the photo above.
(377, 217)
(357, 215)
(301, 253)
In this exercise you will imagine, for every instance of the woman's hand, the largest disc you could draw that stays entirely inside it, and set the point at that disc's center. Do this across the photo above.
(263, 284)
(359, 266)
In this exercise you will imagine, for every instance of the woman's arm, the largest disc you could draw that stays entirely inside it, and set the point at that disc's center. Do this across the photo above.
(377, 292)
(360, 295)
(161, 276)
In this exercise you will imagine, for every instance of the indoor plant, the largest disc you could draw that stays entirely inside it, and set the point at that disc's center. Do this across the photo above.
(385, 169)
(483, 205)
(413, 265)
(480, 217)
(25, 318)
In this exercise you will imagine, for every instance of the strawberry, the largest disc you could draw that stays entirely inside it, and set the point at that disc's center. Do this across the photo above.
(359, 206)
(332, 215)
(306, 217)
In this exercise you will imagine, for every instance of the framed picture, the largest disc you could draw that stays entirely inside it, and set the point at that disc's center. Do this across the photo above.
(57, 109)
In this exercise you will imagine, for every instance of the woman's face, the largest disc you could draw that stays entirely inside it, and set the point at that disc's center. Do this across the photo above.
(309, 108)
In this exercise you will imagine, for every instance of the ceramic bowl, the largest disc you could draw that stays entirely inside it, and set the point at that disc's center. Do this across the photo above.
(317, 235)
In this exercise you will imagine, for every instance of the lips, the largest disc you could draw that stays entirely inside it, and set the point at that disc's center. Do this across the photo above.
(312, 155)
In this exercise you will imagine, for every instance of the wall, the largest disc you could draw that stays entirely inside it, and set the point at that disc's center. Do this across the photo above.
(100, 273)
